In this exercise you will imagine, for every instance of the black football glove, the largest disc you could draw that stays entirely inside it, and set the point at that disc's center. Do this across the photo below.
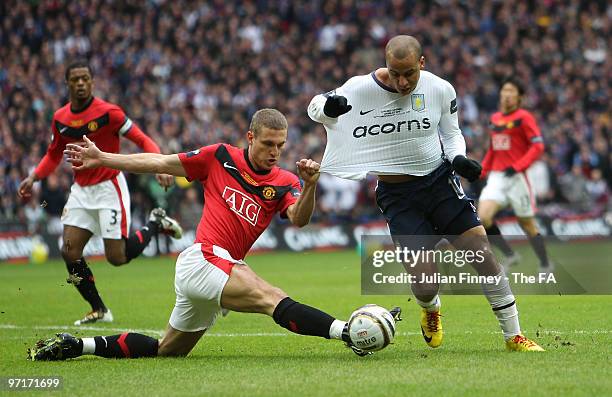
(510, 171)
(467, 168)
(336, 105)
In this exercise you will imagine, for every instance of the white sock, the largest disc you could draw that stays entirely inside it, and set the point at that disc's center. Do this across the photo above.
(89, 345)
(502, 302)
(431, 306)
(335, 330)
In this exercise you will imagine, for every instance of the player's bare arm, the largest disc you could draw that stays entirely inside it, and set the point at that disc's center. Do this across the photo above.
(25, 187)
(87, 156)
(300, 213)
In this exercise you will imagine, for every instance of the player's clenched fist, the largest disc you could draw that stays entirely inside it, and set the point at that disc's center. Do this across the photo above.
(308, 170)
(467, 168)
(336, 105)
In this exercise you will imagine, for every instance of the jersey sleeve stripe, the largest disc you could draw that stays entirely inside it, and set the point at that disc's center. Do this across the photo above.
(125, 128)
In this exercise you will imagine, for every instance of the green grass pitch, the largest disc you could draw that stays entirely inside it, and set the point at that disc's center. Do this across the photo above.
(249, 355)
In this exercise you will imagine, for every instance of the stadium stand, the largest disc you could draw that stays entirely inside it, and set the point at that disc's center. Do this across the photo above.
(192, 73)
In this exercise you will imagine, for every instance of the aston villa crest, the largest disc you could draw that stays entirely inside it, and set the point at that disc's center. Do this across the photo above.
(418, 102)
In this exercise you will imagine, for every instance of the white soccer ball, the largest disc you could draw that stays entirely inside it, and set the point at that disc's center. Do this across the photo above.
(371, 328)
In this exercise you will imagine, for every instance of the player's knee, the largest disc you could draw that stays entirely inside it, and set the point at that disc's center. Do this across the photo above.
(116, 259)
(70, 254)
(265, 298)
(529, 226)
(485, 218)
(425, 293)
(171, 350)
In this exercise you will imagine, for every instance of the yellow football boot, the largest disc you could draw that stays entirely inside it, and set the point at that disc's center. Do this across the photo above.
(519, 343)
(431, 327)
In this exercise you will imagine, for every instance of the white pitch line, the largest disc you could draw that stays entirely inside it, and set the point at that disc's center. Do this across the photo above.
(140, 331)
(268, 334)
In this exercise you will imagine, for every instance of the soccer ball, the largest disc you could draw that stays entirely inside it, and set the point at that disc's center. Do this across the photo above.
(40, 252)
(371, 328)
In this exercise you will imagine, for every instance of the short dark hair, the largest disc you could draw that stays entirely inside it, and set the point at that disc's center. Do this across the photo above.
(79, 63)
(269, 118)
(515, 82)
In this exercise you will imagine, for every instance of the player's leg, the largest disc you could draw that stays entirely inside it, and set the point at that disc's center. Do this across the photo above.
(245, 291)
(536, 240)
(410, 229)
(486, 212)
(80, 222)
(79, 273)
(119, 247)
(197, 284)
(202, 289)
(64, 346)
(178, 343)
(425, 293)
(499, 294)
(522, 201)
(457, 218)
(132, 345)
(493, 198)
(120, 251)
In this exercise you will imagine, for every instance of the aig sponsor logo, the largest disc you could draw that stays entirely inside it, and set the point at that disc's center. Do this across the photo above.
(241, 204)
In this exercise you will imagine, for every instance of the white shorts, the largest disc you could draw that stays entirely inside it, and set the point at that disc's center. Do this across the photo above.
(103, 208)
(198, 285)
(514, 191)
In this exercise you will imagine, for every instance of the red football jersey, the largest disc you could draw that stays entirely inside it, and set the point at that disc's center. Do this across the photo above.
(515, 142)
(103, 123)
(239, 202)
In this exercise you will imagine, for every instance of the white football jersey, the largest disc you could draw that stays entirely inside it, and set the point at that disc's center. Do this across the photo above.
(386, 133)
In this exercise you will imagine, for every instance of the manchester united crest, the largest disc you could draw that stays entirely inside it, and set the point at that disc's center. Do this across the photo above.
(269, 192)
(92, 126)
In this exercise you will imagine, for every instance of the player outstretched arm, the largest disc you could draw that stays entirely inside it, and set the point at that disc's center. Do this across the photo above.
(300, 213)
(87, 155)
(326, 108)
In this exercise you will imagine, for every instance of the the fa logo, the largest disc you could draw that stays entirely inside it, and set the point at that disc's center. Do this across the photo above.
(241, 204)
(418, 102)
(547, 278)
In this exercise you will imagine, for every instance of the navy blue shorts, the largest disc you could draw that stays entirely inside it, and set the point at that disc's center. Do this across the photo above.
(432, 205)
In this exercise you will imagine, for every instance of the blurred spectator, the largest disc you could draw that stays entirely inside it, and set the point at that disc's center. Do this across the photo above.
(597, 187)
(192, 73)
(190, 209)
(35, 216)
(53, 196)
(574, 189)
(337, 196)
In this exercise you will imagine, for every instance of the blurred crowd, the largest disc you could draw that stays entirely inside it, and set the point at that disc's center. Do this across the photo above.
(192, 73)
